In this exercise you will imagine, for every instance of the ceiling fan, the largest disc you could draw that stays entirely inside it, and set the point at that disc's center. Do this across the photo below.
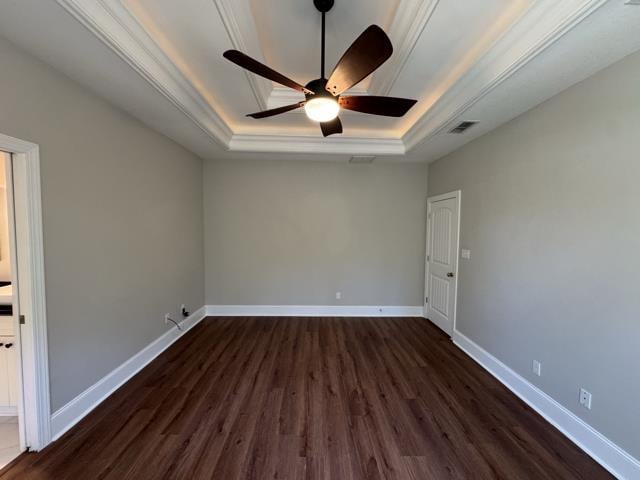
(324, 97)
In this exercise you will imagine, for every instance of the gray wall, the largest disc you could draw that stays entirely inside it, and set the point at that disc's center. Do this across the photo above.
(550, 213)
(294, 233)
(122, 210)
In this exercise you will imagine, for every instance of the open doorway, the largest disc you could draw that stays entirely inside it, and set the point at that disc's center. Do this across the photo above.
(24, 376)
(9, 361)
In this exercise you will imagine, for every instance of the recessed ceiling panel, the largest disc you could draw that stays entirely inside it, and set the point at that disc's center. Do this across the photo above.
(446, 54)
(289, 31)
(192, 34)
(449, 55)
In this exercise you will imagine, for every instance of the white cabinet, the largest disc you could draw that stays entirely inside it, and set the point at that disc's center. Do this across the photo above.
(8, 375)
(8, 367)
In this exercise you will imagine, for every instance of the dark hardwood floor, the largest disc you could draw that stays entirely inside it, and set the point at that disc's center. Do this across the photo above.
(305, 398)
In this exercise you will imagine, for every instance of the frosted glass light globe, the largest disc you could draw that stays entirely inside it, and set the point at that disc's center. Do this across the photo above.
(322, 109)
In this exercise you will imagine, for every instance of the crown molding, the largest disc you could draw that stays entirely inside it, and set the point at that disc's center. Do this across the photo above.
(113, 23)
(539, 27)
(241, 30)
(312, 144)
(410, 20)
(281, 96)
(542, 25)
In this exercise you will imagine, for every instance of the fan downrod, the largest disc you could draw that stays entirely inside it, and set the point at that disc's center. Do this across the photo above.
(323, 5)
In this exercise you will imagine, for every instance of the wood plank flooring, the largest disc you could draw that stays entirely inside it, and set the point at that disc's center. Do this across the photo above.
(311, 398)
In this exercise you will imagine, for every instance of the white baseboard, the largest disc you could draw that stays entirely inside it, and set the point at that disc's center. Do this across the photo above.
(312, 311)
(600, 448)
(74, 411)
(8, 411)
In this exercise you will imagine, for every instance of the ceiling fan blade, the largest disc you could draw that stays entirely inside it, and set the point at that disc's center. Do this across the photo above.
(276, 111)
(258, 68)
(332, 127)
(364, 56)
(386, 106)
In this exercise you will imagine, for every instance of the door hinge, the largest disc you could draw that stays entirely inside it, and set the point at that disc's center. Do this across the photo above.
(426, 299)
(21, 319)
(428, 257)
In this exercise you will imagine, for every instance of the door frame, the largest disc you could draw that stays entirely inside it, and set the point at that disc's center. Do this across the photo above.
(25, 203)
(457, 195)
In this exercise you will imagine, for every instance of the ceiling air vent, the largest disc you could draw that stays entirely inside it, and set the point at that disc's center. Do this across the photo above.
(463, 127)
(632, 2)
(362, 159)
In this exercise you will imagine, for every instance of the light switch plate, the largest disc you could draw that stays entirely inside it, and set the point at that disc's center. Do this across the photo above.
(585, 399)
(537, 368)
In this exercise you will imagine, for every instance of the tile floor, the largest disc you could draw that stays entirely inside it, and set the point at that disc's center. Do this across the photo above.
(9, 440)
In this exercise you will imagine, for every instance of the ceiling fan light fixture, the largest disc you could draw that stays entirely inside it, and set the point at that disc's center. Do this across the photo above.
(322, 109)
(323, 96)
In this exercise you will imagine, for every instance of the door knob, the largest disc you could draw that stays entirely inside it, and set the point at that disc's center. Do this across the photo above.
(450, 275)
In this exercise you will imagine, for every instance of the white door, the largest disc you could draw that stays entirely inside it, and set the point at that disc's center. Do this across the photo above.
(441, 272)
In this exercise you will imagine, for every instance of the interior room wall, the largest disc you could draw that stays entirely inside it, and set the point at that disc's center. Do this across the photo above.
(550, 214)
(5, 253)
(122, 218)
(295, 233)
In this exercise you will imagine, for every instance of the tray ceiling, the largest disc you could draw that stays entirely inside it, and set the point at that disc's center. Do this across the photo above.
(450, 55)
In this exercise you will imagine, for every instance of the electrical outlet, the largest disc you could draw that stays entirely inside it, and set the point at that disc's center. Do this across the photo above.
(338, 295)
(585, 399)
(465, 253)
(537, 368)
(166, 318)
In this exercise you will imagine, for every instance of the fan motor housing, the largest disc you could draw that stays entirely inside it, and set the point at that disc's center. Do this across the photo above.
(323, 5)
(318, 87)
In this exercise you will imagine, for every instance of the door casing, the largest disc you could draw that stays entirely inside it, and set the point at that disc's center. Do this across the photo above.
(25, 207)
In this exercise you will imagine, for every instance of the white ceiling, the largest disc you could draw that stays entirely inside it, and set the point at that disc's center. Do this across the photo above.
(482, 60)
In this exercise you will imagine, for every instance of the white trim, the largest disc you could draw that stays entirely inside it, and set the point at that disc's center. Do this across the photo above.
(8, 411)
(600, 448)
(307, 144)
(457, 195)
(312, 311)
(74, 411)
(34, 404)
(282, 96)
